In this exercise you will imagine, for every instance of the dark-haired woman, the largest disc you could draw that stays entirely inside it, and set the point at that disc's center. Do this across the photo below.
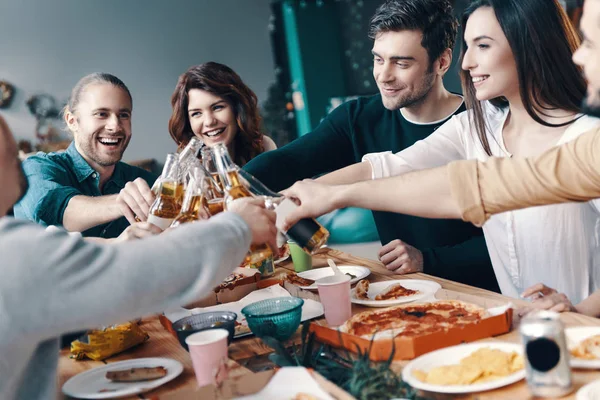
(212, 102)
(523, 93)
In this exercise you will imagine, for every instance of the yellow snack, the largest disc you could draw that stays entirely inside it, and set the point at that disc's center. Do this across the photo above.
(483, 365)
(101, 344)
(453, 375)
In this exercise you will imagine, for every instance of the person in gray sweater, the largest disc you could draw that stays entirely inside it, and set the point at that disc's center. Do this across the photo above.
(53, 283)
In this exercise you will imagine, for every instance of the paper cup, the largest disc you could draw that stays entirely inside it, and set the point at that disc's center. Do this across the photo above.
(208, 350)
(334, 292)
(301, 259)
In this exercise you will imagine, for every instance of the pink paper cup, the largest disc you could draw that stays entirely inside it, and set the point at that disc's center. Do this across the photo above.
(334, 292)
(208, 350)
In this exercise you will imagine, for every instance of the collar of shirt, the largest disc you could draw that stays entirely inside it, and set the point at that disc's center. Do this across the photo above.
(83, 170)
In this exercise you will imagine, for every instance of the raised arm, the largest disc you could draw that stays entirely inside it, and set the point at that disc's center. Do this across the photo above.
(567, 173)
(327, 148)
(472, 189)
(67, 284)
(441, 147)
(421, 193)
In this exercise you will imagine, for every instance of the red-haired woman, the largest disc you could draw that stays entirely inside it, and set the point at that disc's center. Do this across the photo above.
(212, 102)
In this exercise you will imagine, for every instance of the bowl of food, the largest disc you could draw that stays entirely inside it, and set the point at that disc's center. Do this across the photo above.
(201, 322)
(278, 317)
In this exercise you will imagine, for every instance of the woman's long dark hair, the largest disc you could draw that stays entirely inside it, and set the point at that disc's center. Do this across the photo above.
(221, 81)
(543, 41)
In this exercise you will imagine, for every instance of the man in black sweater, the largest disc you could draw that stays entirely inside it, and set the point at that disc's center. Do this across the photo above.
(412, 50)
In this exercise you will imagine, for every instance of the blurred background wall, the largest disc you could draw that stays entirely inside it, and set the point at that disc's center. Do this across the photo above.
(301, 57)
(46, 46)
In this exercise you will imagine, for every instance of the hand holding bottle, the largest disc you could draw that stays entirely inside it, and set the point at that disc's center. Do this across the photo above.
(260, 220)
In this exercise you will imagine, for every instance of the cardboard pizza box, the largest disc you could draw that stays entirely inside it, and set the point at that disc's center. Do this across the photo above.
(407, 348)
(250, 384)
(226, 293)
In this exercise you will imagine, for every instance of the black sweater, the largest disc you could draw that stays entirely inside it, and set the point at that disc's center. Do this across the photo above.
(451, 249)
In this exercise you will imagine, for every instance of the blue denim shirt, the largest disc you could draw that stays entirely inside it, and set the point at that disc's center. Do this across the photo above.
(54, 178)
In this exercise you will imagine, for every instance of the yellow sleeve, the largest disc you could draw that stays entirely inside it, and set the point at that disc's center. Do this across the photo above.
(567, 173)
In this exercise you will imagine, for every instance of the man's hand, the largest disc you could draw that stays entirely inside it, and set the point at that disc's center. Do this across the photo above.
(401, 258)
(138, 230)
(135, 199)
(544, 298)
(260, 220)
(314, 199)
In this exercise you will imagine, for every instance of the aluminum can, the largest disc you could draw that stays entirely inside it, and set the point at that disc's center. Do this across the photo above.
(546, 354)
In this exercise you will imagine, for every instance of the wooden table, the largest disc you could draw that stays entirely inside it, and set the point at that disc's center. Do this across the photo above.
(245, 350)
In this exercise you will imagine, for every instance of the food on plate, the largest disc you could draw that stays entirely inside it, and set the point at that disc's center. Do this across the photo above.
(241, 329)
(362, 289)
(352, 276)
(136, 374)
(413, 319)
(292, 277)
(483, 365)
(588, 349)
(284, 252)
(395, 291)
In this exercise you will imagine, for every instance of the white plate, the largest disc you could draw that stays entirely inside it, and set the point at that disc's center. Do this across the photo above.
(574, 337)
(87, 385)
(318, 273)
(453, 355)
(591, 391)
(425, 288)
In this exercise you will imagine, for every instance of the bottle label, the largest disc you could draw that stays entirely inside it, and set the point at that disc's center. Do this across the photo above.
(162, 223)
(302, 231)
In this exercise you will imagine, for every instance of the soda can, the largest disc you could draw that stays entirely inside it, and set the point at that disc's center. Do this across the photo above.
(546, 354)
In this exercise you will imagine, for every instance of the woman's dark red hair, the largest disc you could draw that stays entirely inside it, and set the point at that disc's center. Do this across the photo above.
(221, 81)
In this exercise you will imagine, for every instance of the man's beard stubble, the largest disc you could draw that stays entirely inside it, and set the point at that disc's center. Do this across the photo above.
(417, 97)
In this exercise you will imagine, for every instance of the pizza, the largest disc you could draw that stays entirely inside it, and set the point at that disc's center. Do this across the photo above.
(292, 277)
(588, 349)
(231, 280)
(394, 292)
(362, 289)
(284, 253)
(241, 329)
(413, 319)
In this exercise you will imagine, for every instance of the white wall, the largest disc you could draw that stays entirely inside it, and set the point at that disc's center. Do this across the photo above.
(46, 46)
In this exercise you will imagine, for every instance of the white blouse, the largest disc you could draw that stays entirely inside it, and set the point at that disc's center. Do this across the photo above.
(556, 244)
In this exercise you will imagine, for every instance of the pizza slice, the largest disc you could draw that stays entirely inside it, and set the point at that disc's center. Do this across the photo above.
(292, 277)
(362, 289)
(241, 329)
(395, 291)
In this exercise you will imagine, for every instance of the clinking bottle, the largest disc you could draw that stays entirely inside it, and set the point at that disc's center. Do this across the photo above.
(167, 204)
(259, 256)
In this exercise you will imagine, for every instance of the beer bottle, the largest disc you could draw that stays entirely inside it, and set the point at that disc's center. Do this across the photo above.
(307, 233)
(188, 159)
(259, 256)
(194, 199)
(167, 204)
(208, 161)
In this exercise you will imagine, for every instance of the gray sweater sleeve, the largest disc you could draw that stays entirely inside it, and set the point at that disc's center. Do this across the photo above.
(52, 283)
